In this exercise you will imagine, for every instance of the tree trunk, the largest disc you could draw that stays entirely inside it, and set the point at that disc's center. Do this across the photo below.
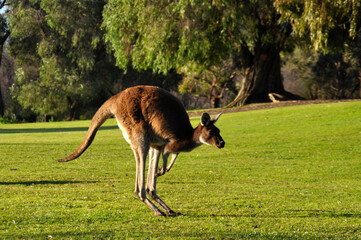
(2, 42)
(74, 109)
(2, 110)
(359, 75)
(262, 76)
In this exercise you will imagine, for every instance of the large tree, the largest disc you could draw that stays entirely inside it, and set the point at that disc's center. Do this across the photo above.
(353, 52)
(198, 36)
(4, 34)
(61, 61)
(328, 24)
(4, 29)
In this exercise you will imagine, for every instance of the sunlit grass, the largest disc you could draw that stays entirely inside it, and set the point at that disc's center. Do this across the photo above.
(291, 172)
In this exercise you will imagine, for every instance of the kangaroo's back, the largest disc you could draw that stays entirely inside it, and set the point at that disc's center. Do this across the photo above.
(141, 111)
(154, 108)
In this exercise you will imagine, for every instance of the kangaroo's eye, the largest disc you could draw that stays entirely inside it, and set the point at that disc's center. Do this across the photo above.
(214, 132)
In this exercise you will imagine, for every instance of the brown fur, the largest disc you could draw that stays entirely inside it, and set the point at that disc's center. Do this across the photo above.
(152, 120)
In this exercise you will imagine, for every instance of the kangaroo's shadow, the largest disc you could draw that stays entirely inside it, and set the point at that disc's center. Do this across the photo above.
(32, 183)
(51, 130)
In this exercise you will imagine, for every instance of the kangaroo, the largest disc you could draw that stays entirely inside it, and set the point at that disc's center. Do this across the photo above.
(152, 120)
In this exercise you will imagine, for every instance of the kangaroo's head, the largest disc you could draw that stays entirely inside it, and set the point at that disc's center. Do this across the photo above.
(209, 133)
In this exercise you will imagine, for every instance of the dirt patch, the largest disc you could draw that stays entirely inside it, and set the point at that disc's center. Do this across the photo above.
(258, 106)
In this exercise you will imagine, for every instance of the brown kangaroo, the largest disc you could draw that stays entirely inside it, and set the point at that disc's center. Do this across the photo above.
(152, 120)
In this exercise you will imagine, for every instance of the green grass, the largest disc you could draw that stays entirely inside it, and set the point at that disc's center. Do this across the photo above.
(285, 173)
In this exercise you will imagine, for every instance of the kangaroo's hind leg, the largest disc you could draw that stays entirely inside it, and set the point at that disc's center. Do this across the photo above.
(154, 154)
(140, 150)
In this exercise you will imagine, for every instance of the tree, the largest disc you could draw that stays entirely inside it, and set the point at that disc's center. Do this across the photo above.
(63, 66)
(297, 69)
(212, 83)
(62, 63)
(4, 29)
(353, 53)
(4, 34)
(335, 77)
(328, 24)
(196, 36)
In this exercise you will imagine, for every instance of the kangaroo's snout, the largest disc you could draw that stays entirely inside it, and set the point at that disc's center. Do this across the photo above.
(221, 144)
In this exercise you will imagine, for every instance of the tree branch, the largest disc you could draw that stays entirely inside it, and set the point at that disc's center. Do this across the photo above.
(3, 39)
(2, 4)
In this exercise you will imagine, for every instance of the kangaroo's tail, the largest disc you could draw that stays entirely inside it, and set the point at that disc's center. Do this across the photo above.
(99, 118)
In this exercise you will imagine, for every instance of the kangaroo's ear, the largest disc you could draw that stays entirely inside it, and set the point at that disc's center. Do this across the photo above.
(215, 118)
(205, 119)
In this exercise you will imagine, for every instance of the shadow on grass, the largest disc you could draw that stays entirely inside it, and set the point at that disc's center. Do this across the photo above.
(179, 234)
(320, 213)
(32, 183)
(102, 234)
(285, 214)
(51, 130)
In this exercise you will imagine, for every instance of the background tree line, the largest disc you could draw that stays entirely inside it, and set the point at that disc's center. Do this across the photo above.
(62, 59)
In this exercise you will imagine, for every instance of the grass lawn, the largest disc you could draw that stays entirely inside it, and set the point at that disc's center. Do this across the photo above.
(285, 173)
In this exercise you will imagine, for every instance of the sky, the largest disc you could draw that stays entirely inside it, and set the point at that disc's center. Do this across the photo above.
(3, 10)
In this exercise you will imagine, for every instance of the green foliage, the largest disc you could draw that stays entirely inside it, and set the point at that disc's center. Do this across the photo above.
(74, 32)
(4, 120)
(327, 23)
(336, 76)
(61, 60)
(353, 52)
(63, 64)
(265, 184)
(300, 62)
(326, 76)
(4, 28)
(162, 35)
(188, 36)
(197, 38)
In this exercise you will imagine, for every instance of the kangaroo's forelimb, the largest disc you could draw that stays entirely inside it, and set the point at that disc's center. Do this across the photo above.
(166, 168)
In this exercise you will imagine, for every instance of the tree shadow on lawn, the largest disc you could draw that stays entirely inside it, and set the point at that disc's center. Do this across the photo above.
(51, 130)
(298, 213)
(67, 235)
(286, 214)
(33, 183)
